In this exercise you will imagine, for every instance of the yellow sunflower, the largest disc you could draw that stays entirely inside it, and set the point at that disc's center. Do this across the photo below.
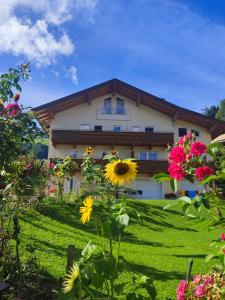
(89, 150)
(70, 278)
(121, 171)
(86, 210)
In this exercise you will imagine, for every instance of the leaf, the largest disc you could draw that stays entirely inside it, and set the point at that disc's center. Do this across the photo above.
(123, 219)
(173, 184)
(185, 199)
(88, 250)
(210, 256)
(209, 178)
(173, 203)
(161, 177)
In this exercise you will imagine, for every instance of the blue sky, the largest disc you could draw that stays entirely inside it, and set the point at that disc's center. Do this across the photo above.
(174, 49)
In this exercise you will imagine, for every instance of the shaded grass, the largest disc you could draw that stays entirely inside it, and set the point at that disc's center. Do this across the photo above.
(159, 248)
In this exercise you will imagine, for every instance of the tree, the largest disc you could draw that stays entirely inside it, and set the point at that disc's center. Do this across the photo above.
(221, 111)
(211, 111)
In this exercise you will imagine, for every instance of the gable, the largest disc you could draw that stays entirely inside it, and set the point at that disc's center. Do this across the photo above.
(47, 111)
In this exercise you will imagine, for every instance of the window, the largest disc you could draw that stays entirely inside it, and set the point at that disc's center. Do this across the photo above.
(143, 155)
(71, 184)
(107, 106)
(182, 131)
(85, 127)
(116, 128)
(98, 128)
(196, 132)
(136, 128)
(148, 155)
(120, 106)
(73, 154)
(104, 154)
(149, 129)
(152, 156)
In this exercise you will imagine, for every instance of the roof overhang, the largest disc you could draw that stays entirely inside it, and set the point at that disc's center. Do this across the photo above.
(47, 111)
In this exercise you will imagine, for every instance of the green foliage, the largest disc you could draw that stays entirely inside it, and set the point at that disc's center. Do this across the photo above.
(210, 111)
(221, 111)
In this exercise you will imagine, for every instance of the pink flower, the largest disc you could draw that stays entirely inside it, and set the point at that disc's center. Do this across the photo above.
(196, 279)
(176, 171)
(16, 97)
(182, 289)
(51, 165)
(222, 237)
(200, 291)
(177, 155)
(188, 135)
(203, 172)
(12, 108)
(209, 280)
(181, 140)
(198, 148)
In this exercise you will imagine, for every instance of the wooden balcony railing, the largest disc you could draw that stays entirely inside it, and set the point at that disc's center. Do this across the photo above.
(76, 137)
(144, 166)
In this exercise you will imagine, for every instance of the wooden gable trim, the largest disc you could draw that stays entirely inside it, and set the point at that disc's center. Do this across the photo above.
(47, 111)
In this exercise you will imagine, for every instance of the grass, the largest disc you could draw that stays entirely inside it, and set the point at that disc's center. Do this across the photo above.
(159, 248)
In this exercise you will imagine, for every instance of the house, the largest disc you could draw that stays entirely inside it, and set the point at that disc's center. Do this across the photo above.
(115, 115)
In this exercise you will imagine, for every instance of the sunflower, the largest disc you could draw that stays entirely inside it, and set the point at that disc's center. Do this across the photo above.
(86, 210)
(121, 171)
(89, 150)
(70, 278)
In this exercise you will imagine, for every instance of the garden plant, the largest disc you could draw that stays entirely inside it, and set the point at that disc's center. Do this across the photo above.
(193, 160)
(96, 274)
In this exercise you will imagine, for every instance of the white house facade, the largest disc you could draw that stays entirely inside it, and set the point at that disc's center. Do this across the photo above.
(117, 116)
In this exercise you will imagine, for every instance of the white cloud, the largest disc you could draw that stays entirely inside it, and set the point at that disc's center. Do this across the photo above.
(31, 37)
(73, 74)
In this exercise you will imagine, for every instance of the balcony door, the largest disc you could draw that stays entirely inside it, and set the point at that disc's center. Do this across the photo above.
(120, 106)
(108, 106)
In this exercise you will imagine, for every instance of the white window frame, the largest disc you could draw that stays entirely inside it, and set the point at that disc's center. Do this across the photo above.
(88, 127)
(136, 127)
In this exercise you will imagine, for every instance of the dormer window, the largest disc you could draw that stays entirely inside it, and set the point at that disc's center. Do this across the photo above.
(120, 110)
(107, 106)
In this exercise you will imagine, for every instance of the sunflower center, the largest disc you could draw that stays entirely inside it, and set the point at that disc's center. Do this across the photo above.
(121, 168)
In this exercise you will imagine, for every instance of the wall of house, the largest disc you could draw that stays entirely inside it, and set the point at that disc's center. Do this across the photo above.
(204, 135)
(90, 114)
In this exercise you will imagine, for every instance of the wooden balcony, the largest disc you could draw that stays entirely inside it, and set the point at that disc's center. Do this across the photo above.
(77, 137)
(144, 166)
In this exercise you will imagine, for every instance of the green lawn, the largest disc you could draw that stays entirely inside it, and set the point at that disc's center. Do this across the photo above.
(159, 248)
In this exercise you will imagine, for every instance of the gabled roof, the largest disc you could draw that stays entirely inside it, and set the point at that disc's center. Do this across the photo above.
(47, 111)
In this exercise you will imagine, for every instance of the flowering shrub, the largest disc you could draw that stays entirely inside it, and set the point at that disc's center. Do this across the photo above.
(61, 169)
(207, 286)
(188, 159)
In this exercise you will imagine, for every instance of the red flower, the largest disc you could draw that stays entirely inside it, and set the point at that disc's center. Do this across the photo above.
(16, 97)
(203, 172)
(177, 155)
(222, 237)
(12, 108)
(198, 148)
(176, 171)
(181, 140)
(52, 189)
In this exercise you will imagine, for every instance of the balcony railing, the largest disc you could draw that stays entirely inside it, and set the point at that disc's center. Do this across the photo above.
(113, 111)
(76, 137)
(144, 166)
